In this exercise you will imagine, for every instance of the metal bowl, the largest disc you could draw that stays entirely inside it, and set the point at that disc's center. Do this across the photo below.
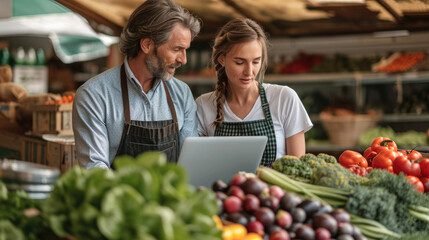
(27, 172)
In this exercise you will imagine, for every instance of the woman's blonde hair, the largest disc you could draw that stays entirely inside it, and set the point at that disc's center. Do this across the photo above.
(235, 31)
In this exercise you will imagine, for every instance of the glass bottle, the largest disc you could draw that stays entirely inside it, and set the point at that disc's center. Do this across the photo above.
(30, 57)
(40, 55)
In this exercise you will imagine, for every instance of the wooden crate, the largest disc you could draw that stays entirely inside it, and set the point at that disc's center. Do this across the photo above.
(53, 119)
(33, 149)
(62, 156)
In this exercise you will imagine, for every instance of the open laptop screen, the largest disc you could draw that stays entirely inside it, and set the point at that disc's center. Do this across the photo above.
(208, 159)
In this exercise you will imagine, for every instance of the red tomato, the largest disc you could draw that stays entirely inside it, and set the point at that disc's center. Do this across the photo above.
(349, 158)
(358, 170)
(369, 154)
(414, 155)
(384, 159)
(417, 183)
(425, 182)
(408, 167)
(424, 167)
(381, 143)
(411, 154)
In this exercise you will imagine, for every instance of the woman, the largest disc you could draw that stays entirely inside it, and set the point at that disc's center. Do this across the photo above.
(241, 104)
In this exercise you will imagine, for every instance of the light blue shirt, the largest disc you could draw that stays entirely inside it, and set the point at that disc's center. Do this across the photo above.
(98, 113)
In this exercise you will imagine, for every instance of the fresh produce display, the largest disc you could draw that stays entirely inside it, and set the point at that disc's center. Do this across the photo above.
(326, 195)
(400, 62)
(408, 139)
(343, 63)
(20, 217)
(381, 205)
(303, 63)
(235, 231)
(312, 63)
(352, 158)
(387, 194)
(275, 214)
(372, 196)
(384, 154)
(63, 99)
(302, 168)
(144, 198)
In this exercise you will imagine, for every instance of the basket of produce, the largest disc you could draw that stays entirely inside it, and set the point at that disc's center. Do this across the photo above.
(345, 129)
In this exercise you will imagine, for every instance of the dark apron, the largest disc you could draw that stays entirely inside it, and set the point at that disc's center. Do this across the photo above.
(141, 136)
(263, 127)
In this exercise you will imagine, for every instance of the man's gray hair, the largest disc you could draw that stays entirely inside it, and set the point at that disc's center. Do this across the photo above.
(155, 19)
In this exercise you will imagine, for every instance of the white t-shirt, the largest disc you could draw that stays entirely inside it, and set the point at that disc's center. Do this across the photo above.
(287, 111)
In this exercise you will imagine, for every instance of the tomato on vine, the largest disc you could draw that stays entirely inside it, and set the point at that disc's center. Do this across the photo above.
(381, 143)
(384, 159)
(406, 166)
(349, 158)
(417, 183)
(411, 154)
(424, 167)
(369, 154)
(425, 182)
(358, 170)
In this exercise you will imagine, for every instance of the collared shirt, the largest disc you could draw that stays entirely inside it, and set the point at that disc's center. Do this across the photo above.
(98, 113)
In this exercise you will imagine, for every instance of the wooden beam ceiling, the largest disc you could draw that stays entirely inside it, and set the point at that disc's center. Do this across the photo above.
(276, 16)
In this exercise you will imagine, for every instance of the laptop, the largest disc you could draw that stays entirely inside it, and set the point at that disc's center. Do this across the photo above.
(208, 159)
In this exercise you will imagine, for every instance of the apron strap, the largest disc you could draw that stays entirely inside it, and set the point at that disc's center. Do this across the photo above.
(125, 100)
(126, 103)
(170, 104)
(265, 105)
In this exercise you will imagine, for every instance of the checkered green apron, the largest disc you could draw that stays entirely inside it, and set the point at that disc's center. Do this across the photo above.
(263, 127)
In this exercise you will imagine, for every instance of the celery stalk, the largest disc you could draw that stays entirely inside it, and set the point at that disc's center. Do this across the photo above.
(420, 216)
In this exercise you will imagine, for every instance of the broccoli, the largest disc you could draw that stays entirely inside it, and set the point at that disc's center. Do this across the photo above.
(285, 163)
(388, 201)
(292, 166)
(336, 176)
(314, 163)
(398, 185)
(327, 158)
(307, 157)
(374, 203)
(311, 160)
(305, 171)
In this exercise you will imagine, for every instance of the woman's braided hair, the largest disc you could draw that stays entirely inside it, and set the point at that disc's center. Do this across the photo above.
(235, 31)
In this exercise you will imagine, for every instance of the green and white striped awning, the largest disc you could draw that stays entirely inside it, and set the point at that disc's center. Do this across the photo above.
(72, 37)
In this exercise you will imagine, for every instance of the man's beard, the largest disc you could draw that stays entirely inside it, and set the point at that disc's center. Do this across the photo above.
(157, 67)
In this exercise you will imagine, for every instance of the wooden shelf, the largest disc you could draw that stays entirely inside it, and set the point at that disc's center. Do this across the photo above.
(342, 78)
(392, 118)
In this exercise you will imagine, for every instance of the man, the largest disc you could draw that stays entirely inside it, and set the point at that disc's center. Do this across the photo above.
(139, 106)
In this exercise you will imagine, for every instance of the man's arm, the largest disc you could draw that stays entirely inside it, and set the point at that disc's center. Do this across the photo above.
(90, 132)
(190, 121)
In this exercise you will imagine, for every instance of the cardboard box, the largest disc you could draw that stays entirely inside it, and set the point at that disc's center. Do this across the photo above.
(52, 119)
(33, 149)
(8, 111)
(62, 155)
